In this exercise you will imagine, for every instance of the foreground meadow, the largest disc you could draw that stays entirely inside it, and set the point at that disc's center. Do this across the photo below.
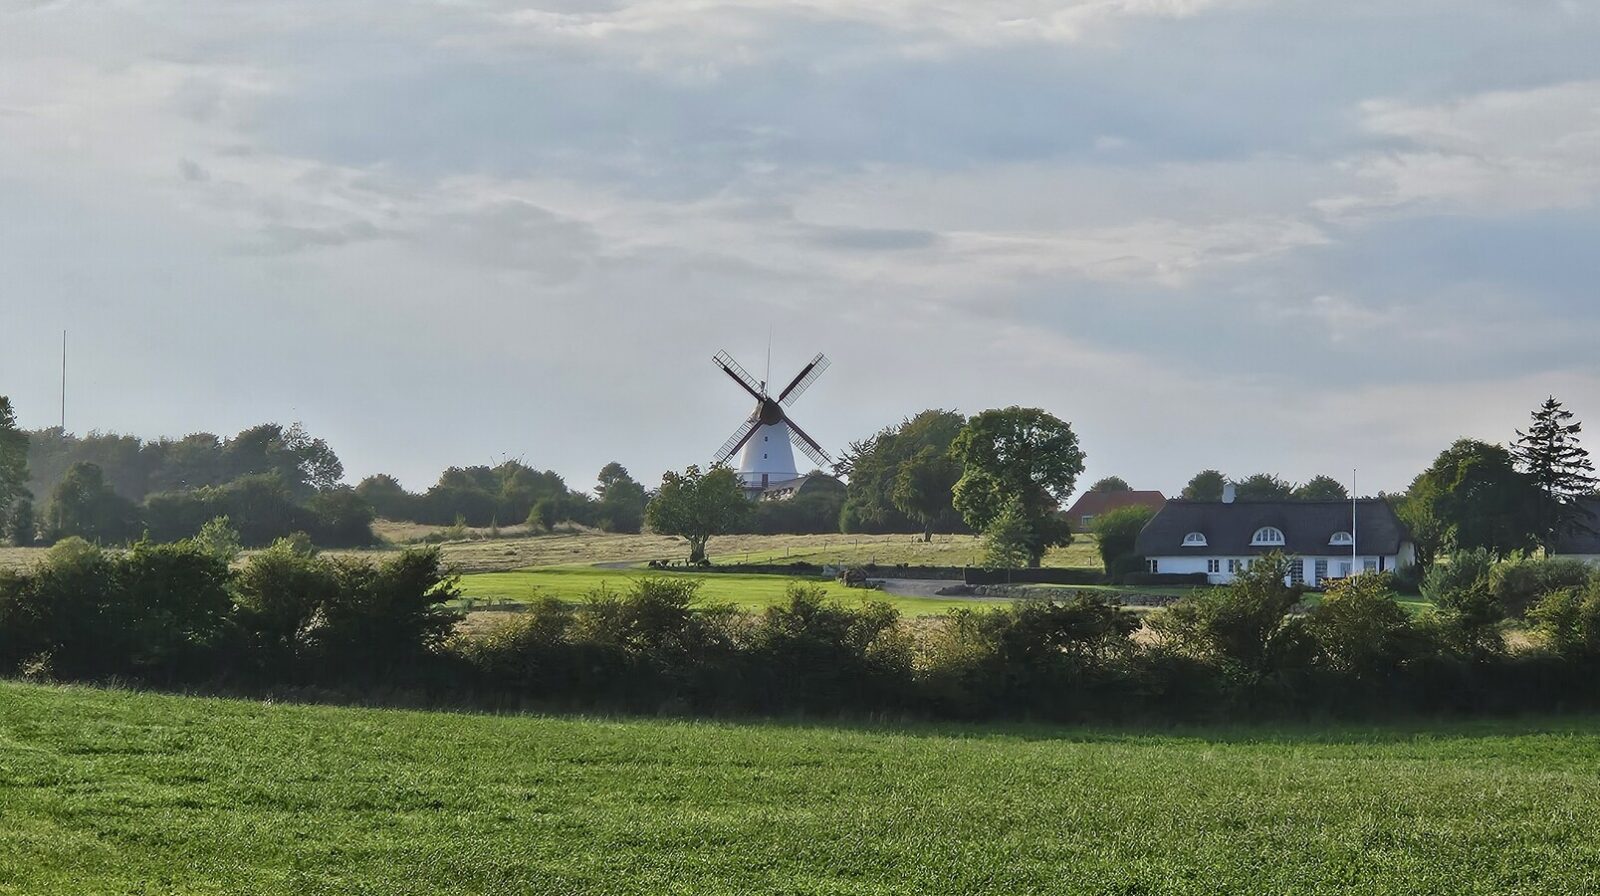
(113, 792)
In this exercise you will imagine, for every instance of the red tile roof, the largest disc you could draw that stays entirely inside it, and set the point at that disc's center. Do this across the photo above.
(1097, 503)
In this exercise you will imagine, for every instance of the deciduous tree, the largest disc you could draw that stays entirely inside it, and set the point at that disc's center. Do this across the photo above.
(1206, 485)
(1477, 497)
(923, 487)
(1264, 487)
(697, 506)
(1321, 488)
(13, 458)
(1023, 456)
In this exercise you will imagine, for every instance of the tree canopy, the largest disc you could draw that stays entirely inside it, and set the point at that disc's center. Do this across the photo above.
(1264, 487)
(622, 500)
(1023, 456)
(874, 465)
(1207, 485)
(1111, 484)
(1549, 454)
(1473, 496)
(13, 458)
(698, 505)
(1321, 488)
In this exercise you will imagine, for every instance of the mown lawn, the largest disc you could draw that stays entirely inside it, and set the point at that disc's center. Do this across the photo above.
(748, 591)
(119, 793)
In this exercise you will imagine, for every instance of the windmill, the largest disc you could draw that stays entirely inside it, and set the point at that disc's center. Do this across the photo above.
(767, 434)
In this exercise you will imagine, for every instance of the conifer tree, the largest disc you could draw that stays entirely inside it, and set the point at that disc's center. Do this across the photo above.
(1560, 468)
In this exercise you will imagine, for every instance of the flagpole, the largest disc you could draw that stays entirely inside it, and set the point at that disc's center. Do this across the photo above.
(1354, 561)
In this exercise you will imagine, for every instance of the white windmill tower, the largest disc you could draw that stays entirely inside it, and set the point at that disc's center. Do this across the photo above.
(767, 434)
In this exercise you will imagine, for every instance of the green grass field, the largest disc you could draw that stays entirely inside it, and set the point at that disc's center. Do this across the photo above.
(119, 793)
(748, 591)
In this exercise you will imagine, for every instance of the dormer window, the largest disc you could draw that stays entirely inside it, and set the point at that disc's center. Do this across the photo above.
(1268, 535)
(1194, 540)
(1344, 538)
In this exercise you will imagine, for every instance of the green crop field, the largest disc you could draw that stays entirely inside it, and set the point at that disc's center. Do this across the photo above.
(121, 793)
(748, 591)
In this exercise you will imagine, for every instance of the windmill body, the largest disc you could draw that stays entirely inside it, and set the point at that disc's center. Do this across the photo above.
(768, 457)
(768, 436)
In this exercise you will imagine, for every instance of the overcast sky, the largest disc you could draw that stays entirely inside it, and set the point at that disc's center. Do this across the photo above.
(1294, 236)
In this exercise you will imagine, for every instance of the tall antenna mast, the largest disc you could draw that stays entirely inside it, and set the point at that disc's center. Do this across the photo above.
(63, 382)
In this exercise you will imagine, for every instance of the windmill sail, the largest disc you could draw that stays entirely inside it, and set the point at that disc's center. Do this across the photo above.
(804, 379)
(737, 440)
(769, 437)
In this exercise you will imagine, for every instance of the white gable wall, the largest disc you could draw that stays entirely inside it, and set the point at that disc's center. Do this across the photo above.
(1189, 564)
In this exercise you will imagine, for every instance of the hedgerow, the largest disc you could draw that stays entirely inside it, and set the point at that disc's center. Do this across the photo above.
(178, 615)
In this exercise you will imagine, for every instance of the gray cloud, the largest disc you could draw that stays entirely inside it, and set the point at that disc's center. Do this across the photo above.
(536, 221)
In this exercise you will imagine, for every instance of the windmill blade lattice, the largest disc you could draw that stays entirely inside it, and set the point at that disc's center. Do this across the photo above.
(737, 440)
(741, 376)
(804, 379)
(808, 446)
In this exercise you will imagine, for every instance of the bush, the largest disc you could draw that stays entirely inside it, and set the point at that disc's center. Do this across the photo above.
(1359, 629)
(280, 593)
(1519, 583)
(1243, 623)
(1037, 656)
(156, 612)
(384, 618)
(815, 655)
(1469, 613)
(1568, 620)
(1117, 532)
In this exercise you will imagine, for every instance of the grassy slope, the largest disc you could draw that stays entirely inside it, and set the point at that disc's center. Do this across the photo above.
(117, 793)
(598, 547)
(750, 591)
(561, 548)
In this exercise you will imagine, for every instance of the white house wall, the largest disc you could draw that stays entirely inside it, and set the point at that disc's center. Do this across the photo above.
(1188, 565)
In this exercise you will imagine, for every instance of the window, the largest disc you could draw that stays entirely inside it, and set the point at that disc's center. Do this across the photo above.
(1194, 540)
(1344, 538)
(1297, 571)
(1369, 564)
(1088, 520)
(1268, 535)
(1321, 570)
(1213, 566)
(1235, 566)
(1155, 566)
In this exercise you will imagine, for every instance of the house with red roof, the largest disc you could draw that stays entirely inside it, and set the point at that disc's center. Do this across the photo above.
(1092, 504)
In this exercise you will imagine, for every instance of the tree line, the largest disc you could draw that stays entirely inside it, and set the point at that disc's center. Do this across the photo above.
(1003, 472)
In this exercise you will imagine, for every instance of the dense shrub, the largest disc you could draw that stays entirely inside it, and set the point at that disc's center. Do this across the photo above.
(1360, 631)
(1245, 624)
(809, 653)
(1039, 656)
(1116, 532)
(1469, 613)
(168, 613)
(157, 611)
(1568, 619)
(381, 618)
(1520, 582)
